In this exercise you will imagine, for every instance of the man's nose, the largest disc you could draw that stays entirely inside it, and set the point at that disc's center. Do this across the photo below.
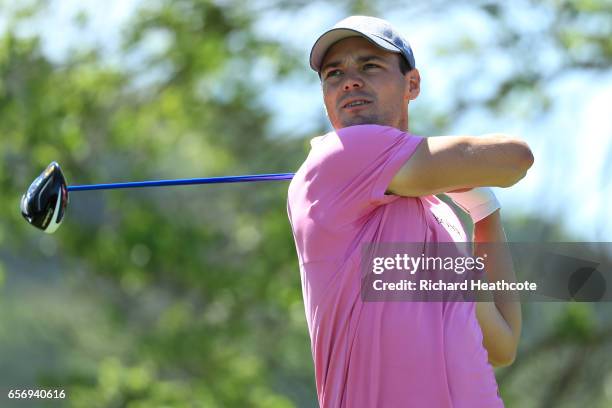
(352, 81)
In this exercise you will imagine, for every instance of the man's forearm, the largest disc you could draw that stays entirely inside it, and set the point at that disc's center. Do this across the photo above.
(500, 321)
(446, 163)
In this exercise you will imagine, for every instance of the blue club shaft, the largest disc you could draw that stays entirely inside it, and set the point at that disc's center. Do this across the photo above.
(184, 182)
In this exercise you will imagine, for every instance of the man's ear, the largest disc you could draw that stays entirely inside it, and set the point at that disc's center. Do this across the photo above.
(413, 83)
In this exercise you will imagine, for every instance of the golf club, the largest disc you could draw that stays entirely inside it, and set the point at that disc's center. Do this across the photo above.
(44, 204)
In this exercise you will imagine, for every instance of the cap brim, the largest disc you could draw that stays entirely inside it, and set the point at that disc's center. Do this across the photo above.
(329, 38)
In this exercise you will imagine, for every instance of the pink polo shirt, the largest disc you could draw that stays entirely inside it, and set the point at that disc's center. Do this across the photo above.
(378, 354)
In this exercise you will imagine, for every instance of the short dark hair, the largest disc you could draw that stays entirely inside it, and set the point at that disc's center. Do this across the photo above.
(404, 66)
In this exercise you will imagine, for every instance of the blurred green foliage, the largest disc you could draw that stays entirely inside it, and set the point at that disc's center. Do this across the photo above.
(191, 296)
(156, 298)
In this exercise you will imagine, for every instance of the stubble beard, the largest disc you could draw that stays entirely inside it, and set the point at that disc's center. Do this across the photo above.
(366, 119)
(361, 120)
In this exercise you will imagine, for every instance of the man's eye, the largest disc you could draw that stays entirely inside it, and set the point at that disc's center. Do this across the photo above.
(333, 73)
(370, 66)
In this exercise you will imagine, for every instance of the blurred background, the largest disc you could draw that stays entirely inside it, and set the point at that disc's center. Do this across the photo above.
(190, 296)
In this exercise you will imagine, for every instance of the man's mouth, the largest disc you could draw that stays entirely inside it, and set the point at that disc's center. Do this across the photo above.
(355, 103)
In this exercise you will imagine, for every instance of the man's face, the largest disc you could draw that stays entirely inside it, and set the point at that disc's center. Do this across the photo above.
(363, 84)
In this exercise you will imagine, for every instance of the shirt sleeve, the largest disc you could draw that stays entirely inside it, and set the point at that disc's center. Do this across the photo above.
(350, 170)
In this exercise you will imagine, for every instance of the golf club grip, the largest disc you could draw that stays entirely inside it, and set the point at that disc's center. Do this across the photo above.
(183, 182)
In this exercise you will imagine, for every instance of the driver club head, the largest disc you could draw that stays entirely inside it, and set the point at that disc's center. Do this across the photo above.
(44, 204)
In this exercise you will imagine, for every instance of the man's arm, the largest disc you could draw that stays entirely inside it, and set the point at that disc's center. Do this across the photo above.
(459, 163)
(501, 321)
(447, 163)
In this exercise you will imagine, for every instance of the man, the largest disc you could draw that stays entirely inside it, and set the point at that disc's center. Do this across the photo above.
(370, 181)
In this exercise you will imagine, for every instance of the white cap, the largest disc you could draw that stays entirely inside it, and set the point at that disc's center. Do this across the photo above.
(376, 30)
